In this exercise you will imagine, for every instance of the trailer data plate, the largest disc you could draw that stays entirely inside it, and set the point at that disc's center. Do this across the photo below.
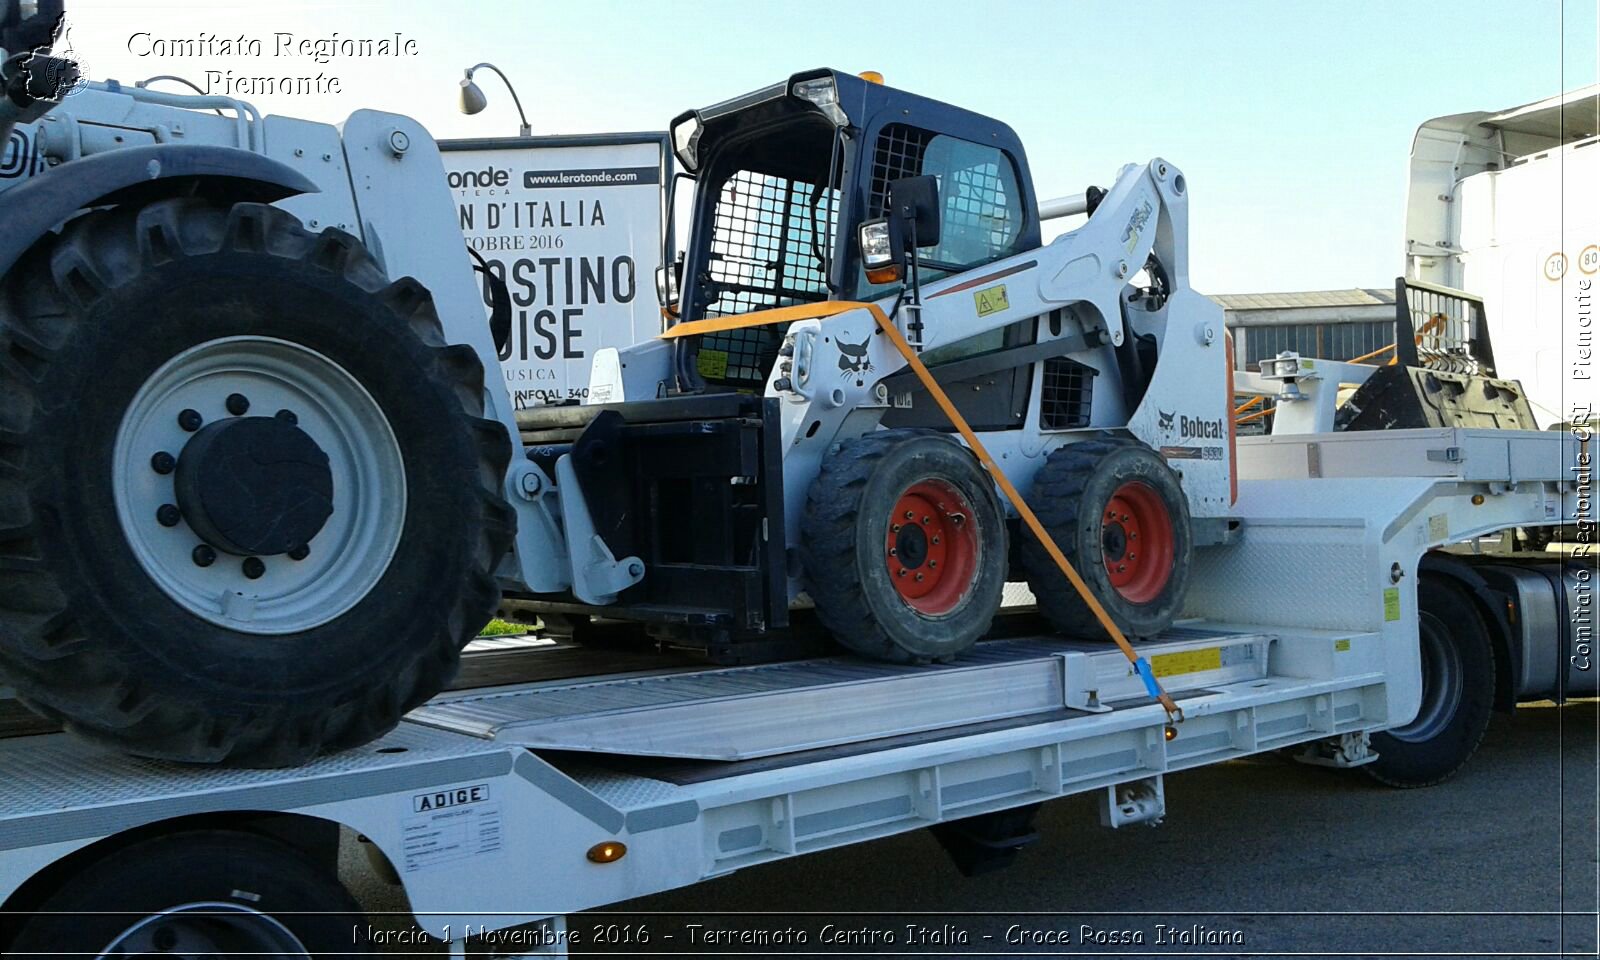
(743, 713)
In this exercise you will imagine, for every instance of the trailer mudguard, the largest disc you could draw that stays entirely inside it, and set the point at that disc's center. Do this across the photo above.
(1491, 607)
(138, 173)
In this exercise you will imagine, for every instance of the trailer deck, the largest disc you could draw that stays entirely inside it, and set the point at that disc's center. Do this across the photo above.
(489, 802)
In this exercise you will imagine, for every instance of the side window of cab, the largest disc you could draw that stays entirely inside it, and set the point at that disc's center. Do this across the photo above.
(982, 218)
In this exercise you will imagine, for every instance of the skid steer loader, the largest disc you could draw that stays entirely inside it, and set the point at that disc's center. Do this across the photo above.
(867, 321)
(257, 492)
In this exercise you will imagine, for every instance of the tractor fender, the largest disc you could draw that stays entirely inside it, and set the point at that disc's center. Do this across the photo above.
(32, 209)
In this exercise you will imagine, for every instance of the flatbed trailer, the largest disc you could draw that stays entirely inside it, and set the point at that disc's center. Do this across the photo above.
(500, 807)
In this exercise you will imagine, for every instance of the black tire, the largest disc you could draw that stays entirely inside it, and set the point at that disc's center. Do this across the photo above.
(87, 636)
(1070, 493)
(1458, 678)
(845, 537)
(264, 897)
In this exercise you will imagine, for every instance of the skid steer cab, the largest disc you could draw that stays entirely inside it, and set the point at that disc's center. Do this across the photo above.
(868, 345)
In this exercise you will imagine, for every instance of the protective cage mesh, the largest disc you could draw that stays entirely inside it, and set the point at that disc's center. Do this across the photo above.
(1447, 328)
(979, 215)
(1065, 394)
(768, 249)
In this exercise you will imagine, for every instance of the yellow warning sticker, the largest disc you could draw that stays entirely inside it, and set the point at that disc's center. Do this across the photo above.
(1186, 661)
(712, 364)
(1391, 603)
(991, 299)
(1342, 646)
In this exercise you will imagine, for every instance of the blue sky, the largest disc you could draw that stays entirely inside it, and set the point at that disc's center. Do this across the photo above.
(1292, 121)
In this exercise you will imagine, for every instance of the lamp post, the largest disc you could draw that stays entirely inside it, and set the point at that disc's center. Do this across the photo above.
(473, 100)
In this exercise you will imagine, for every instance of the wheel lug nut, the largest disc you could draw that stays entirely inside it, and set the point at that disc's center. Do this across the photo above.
(933, 564)
(168, 515)
(237, 404)
(909, 514)
(1121, 567)
(935, 539)
(203, 555)
(253, 567)
(894, 527)
(163, 462)
(299, 552)
(919, 578)
(901, 573)
(893, 552)
(190, 420)
(287, 416)
(927, 519)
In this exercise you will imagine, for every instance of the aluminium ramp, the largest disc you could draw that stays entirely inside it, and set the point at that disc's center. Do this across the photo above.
(744, 713)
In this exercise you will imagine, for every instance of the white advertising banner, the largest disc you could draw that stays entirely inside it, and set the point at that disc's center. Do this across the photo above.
(573, 227)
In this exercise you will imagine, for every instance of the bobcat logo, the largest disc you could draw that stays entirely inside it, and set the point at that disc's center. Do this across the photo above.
(853, 358)
(1166, 418)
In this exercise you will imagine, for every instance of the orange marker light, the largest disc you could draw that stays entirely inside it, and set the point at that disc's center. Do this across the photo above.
(609, 851)
(1172, 732)
(871, 76)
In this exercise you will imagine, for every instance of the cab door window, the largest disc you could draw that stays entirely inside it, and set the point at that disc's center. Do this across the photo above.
(982, 217)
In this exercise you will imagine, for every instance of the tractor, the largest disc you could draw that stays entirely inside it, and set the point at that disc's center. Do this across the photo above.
(258, 492)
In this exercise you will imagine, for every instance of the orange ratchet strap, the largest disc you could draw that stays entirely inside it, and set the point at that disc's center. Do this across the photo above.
(807, 311)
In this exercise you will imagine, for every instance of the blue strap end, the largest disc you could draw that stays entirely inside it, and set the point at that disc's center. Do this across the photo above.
(1143, 667)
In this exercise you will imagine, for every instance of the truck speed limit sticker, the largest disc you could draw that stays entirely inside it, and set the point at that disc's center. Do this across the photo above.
(1555, 266)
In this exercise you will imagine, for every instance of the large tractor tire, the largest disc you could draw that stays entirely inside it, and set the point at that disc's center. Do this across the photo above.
(904, 546)
(1119, 515)
(1458, 679)
(249, 508)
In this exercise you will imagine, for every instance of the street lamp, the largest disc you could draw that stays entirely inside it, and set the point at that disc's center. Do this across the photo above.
(473, 101)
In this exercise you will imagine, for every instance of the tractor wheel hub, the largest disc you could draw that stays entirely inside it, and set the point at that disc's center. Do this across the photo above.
(254, 486)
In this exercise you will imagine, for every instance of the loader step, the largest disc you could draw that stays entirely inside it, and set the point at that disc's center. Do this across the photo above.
(744, 713)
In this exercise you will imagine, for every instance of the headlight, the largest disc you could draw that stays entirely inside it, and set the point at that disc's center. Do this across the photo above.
(686, 142)
(823, 92)
(877, 248)
(878, 254)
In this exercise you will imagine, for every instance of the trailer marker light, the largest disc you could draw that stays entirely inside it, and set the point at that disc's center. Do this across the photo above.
(1477, 499)
(609, 851)
(1171, 732)
(871, 76)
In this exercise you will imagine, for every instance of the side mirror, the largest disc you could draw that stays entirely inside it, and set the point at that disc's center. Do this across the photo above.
(914, 201)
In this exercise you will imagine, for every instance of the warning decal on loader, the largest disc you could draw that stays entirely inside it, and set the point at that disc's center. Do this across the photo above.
(991, 300)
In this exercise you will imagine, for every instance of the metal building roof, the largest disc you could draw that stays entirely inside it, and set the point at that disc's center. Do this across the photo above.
(1357, 297)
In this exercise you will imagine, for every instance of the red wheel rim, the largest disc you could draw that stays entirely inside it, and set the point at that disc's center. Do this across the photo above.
(1136, 542)
(931, 547)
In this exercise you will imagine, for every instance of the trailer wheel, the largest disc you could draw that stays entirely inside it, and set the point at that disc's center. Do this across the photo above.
(1458, 678)
(904, 546)
(207, 893)
(249, 509)
(1117, 511)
